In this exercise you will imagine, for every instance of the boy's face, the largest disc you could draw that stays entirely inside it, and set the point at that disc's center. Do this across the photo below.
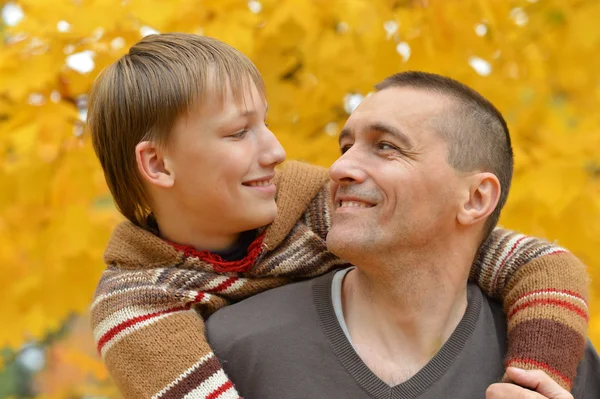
(223, 158)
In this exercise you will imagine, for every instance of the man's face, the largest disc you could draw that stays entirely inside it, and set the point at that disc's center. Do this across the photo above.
(223, 157)
(392, 187)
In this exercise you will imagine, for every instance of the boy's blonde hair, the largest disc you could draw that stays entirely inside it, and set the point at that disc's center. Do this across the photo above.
(141, 96)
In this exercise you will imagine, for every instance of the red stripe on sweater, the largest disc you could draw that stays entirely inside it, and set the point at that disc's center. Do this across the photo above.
(548, 301)
(558, 251)
(552, 291)
(224, 285)
(541, 365)
(199, 297)
(110, 334)
(220, 390)
(512, 250)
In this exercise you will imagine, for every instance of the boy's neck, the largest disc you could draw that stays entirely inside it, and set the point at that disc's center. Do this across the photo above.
(186, 234)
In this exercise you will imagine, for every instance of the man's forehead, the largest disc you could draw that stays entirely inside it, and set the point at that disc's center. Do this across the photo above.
(406, 113)
(398, 105)
(404, 99)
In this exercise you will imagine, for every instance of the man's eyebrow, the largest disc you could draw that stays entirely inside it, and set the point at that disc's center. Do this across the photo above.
(343, 134)
(380, 128)
(391, 130)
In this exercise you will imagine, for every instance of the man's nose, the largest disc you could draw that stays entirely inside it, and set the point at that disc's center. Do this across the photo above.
(349, 168)
(272, 153)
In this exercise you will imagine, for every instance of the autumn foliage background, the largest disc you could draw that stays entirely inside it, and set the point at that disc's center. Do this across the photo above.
(538, 61)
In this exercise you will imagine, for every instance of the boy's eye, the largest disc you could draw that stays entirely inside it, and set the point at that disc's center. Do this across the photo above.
(239, 135)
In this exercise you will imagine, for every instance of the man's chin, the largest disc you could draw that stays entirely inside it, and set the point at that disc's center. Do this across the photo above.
(341, 242)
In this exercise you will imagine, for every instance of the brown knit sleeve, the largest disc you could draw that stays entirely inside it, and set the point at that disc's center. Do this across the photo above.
(297, 185)
(149, 329)
(544, 292)
(318, 212)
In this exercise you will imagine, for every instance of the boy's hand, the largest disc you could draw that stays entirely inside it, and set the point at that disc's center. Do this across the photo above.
(540, 384)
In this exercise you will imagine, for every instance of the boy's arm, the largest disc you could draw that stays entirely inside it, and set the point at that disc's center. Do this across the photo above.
(544, 292)
(151, 334)
(168, 359)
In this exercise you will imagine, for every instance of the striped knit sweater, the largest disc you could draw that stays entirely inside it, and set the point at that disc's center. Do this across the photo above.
(151, 301)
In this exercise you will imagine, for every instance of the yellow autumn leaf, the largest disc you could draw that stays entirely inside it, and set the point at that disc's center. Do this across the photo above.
(534, 60)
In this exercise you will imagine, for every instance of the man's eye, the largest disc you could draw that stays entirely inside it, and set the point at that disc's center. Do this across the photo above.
(345, 148)
(387, 146)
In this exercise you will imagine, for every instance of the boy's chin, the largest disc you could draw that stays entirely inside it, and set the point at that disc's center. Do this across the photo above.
(264, 216)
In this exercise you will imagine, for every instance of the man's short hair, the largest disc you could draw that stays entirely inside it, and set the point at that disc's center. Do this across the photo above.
(141, 96)
(476, 132)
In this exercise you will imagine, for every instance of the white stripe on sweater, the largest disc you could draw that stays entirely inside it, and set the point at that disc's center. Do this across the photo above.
(235, 287)
(549, 295)
(506, 255)
(220, 280)
(215, 282)
(505, 251)
(143, 276)
(210, 385)
(110, 294)
(186, 373)
(508, 266)
(123, 315)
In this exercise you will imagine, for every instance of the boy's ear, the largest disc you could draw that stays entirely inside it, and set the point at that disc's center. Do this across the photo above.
(154, 165)
(481, 200)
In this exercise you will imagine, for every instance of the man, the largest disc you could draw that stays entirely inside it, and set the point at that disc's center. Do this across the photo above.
(425, 169)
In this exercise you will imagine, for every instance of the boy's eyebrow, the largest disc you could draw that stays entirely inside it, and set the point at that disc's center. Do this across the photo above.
(250, 112)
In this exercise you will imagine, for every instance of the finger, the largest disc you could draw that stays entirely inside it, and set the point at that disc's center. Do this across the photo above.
(510, 391)
(539, 382)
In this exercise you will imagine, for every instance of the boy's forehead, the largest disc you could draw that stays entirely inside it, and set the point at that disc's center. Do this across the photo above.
(224, 88)
(242, 100)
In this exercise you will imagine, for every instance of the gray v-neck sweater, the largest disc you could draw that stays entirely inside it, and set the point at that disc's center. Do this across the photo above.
(288, 343)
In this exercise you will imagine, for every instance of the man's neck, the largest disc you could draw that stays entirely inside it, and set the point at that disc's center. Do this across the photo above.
(399, 320)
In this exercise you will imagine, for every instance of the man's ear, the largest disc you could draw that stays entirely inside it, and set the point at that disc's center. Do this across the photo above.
(154, 165)
(483, 196)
